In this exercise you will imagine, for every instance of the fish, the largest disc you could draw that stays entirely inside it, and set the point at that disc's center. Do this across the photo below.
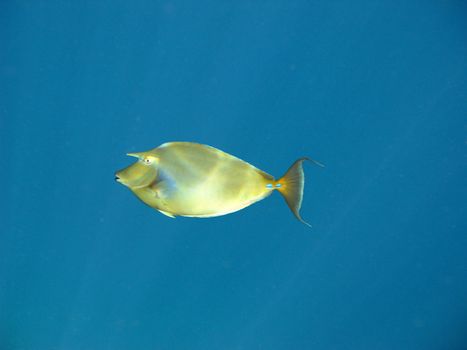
(195, 180)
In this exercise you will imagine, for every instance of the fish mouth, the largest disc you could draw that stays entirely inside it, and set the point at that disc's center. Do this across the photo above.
(117, 178)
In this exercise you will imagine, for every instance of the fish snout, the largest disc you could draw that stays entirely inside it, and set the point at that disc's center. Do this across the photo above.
(117, 178)
(136, 175)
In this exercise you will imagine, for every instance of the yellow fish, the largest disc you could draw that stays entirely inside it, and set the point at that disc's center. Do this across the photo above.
(190, 179)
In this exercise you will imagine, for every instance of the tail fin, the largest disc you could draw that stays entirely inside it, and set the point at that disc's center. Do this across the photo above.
(291, 186)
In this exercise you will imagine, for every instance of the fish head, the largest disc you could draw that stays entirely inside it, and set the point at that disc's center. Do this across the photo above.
(140, 174)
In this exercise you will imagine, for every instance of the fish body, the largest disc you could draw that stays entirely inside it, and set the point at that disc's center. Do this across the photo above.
(195, 180)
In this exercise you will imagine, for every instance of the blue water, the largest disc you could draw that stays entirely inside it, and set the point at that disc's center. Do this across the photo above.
(376, 90)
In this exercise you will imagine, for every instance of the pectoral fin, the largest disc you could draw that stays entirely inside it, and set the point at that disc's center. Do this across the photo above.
(162, 191)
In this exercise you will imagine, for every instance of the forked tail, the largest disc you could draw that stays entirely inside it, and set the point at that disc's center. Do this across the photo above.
(291, 186)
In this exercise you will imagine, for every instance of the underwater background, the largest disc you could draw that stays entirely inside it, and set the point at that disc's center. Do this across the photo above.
(375, 90)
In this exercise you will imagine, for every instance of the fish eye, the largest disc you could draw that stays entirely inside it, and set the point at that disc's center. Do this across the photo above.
(147, 160)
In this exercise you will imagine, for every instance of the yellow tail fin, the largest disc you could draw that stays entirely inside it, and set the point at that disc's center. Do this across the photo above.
(291, 186)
